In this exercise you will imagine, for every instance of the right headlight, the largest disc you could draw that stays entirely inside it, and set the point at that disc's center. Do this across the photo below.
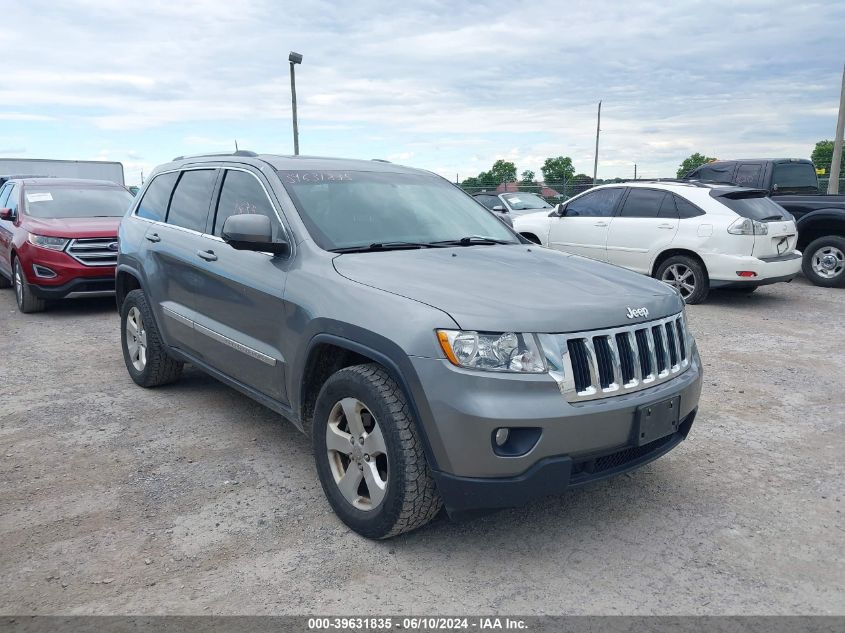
(747, 226)
(500, 351)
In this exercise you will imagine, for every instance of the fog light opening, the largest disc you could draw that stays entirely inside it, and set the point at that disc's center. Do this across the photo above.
(501, 436)
(43, 271)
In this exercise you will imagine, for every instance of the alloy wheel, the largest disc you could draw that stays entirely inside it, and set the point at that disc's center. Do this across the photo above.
(828, 262)
(18, 284)
(357, 454)
(136, 339)
(681, 277)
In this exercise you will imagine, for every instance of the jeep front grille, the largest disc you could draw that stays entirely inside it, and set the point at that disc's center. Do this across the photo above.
(94, 251)
(604, 363)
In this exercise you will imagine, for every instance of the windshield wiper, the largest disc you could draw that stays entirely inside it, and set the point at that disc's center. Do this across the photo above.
(383, 246)
(473, 239)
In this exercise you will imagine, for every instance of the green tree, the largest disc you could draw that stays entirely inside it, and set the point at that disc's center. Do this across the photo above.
(557, 170)
(692, 162)
(503, 171)
(822, 155)
(528, 177)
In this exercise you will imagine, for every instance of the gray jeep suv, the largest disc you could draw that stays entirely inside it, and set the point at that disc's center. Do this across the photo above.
(433, 356)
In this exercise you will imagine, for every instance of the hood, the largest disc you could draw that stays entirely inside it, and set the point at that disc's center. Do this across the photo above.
(513, 288)
(73, 227)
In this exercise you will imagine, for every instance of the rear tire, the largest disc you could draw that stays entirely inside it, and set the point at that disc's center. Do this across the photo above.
(686, 274)
(144, 353)
(824, 261)
(27, 302)
(369, 456)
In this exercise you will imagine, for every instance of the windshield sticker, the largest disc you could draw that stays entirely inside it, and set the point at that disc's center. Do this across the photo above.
(515, 200)
(39, 196)
(299, 177)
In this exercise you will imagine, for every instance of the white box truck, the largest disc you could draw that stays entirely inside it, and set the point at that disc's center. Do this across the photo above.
(89, 169)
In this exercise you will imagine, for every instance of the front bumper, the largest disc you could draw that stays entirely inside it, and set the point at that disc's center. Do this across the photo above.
(722, 269)
(467, 496)
(57, 275)
(467, 407)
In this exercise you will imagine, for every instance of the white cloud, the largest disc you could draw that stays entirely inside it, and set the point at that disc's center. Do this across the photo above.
(444, 85)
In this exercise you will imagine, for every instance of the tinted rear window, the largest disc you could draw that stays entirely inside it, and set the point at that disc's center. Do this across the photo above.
(191, 199)
(153, 205)
(758, 208)
(76, 202)
(642, 203)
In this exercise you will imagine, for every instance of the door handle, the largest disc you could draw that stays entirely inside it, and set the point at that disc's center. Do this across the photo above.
(600, 224)
(208, 256)
(665, 226)
(153, 237)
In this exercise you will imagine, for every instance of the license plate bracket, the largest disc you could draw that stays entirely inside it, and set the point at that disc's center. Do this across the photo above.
(653, 421)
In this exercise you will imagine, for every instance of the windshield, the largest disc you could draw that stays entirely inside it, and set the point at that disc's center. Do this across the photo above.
(77, 202)
(347, 209)
(795, 178)
(758, 207)
(525, 201)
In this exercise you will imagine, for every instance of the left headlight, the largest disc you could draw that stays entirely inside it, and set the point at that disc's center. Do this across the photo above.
(53, 243)
(501, 351)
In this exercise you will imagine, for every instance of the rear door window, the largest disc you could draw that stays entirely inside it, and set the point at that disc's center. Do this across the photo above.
(667, 208)
(642, 203)
(600, 203)
(748, 175)
(153, 205)
(191, 199)
(686, 209)
(243, 193)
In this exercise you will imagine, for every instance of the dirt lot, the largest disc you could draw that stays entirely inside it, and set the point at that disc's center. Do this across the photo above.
(194, 499)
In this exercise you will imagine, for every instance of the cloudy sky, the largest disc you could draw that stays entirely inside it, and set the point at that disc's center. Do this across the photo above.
(447, 86)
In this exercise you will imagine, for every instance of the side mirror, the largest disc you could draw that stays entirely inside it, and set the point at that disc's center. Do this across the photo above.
(7, 214)
(499, 208)
(252, 232)
(559, 210)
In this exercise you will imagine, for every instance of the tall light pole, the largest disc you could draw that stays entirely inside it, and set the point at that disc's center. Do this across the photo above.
(836, 164)
(294, 58)
(596, 161)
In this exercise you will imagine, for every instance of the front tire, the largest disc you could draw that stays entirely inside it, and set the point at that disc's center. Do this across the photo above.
(27, 302)
(824, 261)
(369, 457)
(144, 353)
(687, 275)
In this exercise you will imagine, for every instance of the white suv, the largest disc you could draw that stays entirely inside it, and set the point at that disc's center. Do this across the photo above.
(693, 236)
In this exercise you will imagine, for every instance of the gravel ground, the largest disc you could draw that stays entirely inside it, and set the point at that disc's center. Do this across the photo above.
(192, 499)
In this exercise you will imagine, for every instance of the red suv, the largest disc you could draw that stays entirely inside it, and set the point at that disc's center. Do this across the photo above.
(58, 238)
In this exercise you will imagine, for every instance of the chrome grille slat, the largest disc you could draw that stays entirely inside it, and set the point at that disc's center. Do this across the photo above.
(93, 251)
(654, 336)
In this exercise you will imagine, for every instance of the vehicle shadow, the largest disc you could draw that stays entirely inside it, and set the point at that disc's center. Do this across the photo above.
(81, 307)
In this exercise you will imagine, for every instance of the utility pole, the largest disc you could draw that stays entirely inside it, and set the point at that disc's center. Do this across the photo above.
(596, 161)
(236, 145)
(635, 171)
(836, 164)
(294, 58)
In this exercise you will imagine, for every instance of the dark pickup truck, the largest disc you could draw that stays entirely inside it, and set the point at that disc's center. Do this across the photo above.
(793, 184)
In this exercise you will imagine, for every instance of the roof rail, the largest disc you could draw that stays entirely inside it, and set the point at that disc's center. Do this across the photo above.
(681, 181)
(380, 160)
(240, 152)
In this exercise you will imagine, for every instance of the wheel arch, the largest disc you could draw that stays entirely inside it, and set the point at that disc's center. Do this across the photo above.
(818, 224)
(671, 252)
(126, 280)
(327, 353)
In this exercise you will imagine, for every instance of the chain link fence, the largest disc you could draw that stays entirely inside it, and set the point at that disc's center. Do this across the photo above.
(559, 191)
